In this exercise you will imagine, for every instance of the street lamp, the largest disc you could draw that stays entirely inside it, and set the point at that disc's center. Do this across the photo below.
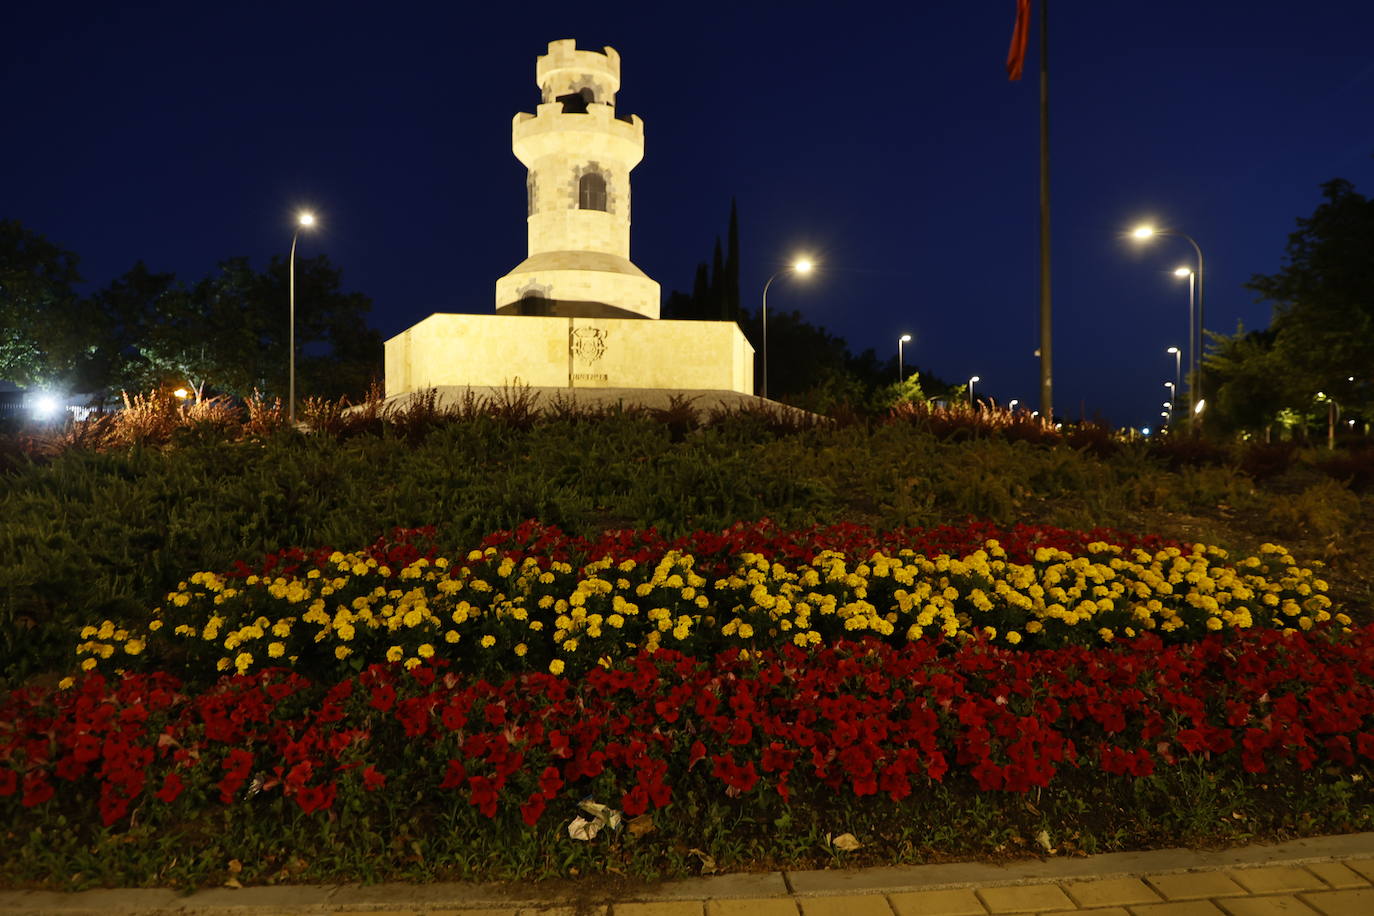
(1012, 405)
(1178, 365)
(304, 220)
(970, 389)
(901, 340)
(1146, 232)
(801, 266)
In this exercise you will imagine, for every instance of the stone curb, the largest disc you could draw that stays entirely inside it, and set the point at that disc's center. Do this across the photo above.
(792, 884)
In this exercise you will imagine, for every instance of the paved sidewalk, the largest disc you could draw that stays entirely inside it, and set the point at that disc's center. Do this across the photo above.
(1330, 876)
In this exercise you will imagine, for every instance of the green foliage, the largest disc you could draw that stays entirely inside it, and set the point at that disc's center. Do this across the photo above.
(228, 332)
(411, 836)
(45, 330)
(1322, 337)
(92, 534)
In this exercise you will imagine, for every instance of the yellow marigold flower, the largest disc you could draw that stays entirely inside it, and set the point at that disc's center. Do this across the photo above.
(452, 636)
(133, 646)
(1013, 637)
(154, 626)
(395, 654)
(88, 664)
(342, 652)
(1214, 623)
(556, 666)
(521, 649)
(276, 650)
(243, 661)
(411, 663)
(425, 651)
(222, 664)
(488, 641)
(1034, 626)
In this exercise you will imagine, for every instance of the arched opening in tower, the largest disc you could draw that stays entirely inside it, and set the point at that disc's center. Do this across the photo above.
(591, 192)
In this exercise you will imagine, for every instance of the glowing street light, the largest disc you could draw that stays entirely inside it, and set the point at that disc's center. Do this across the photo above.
(46, 406)
(182, 393)
(1178, 362)
(1195, 333)
(905, 338)
(304, 220)
(1012, 405)
(970, 389)
(802, 265)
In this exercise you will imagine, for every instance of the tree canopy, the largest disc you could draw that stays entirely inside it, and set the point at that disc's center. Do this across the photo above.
(1321, 343)
(226, 333)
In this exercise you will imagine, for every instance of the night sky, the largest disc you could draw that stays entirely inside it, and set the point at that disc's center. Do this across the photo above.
(883, 139)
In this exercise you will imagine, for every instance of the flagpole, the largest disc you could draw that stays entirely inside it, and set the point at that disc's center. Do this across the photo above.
(1046, 353)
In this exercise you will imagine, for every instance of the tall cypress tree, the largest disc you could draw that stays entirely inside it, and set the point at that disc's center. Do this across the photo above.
(717, 303)
(701, 293)
(731, 305)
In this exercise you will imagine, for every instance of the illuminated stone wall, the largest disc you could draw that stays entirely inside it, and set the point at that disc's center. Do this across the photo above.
(545, 352)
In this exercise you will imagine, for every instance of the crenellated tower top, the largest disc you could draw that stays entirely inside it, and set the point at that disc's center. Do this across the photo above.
(566, 71)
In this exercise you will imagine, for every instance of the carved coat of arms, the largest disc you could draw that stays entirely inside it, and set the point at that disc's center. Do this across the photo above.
(588, 344)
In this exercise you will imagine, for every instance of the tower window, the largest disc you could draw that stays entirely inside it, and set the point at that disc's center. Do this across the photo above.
(591, 192)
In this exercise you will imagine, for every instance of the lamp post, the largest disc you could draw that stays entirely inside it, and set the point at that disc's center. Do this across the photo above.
(1146, 232)
(901, 340)
(971, 380)
(1178, 367)
(801, 266)
(1012, 404)
(304, 220)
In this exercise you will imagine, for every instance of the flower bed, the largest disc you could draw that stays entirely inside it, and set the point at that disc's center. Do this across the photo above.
(889, 682)
(856, 719)
(520, 603)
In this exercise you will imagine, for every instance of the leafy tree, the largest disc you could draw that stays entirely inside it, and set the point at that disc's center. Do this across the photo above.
(46, 331)
(228, 332)
(1248, 382)
(231, 331)
(1324, 300)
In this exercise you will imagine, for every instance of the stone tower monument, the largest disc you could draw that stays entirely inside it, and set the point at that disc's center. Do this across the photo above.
(571, 320)
(579, 154)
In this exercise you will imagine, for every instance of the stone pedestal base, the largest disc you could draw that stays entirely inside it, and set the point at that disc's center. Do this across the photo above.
(498, 351)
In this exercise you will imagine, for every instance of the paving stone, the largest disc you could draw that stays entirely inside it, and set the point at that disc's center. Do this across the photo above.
(758, 906)
(1110, 892)
(1104, 911)
(1342, 903)
(1194, 885)
(1276, 879)
(1364, 866)
(1025, 898)
(1337, 875)
(850, 905)
(1178, 908)
(1272, 905)
(748, 885)
(960, 901)
(658, 908)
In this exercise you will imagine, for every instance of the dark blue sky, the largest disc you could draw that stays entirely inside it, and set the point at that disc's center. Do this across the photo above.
(884, 139)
